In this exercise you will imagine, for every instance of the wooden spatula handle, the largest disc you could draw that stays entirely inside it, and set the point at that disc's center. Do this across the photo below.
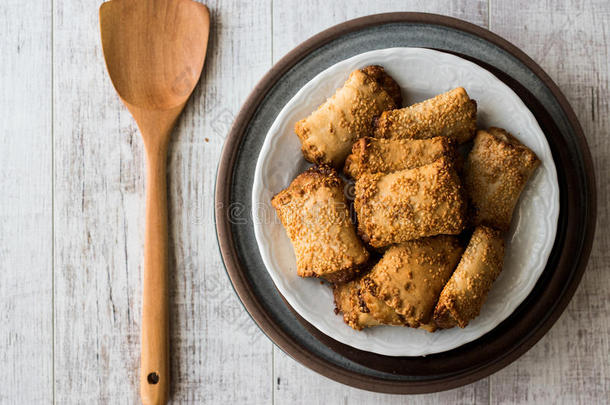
(154, 365)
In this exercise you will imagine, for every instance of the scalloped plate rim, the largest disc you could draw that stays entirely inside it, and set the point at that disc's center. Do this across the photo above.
(270, 144)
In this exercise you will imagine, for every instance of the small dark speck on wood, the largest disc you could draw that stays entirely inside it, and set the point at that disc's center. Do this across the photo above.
(592, 104)
(278, 383)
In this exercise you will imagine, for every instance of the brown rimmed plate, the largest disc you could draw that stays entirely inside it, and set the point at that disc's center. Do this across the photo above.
(467, 363)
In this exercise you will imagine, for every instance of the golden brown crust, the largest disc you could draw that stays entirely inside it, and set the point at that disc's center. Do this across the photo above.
(410, 276)
(452, 114)
(429, 327)
(386, 81)
(327, 134)
(410, 204)
(463, 296)
(372, 155)
(315, 214)
(349, 302)
(496, 171)
(377, 308)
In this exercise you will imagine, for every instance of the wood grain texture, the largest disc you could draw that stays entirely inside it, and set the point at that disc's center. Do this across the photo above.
(26, 301)
(295, 21)
(294, 383)
(154, 53)
(570, 40)
(99, 212)
(218, 354)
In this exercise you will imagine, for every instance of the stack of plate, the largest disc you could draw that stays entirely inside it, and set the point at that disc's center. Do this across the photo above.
(547, 247)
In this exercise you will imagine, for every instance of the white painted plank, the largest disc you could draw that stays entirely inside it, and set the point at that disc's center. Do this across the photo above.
(296, 384)
(218, 354)
(26, 304)
(570, 41)
(98, 221)
(222, 357)
(294, 22)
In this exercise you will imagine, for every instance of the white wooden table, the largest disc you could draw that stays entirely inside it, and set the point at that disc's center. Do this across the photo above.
(72, 204)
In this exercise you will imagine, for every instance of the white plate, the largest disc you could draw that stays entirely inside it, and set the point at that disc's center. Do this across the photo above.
(421, 73)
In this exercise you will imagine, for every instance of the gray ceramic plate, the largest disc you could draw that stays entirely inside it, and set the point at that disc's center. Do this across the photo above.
(529, 321)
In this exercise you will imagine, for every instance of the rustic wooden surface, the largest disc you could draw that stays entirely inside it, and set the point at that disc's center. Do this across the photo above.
(72, 211)
(26, 203)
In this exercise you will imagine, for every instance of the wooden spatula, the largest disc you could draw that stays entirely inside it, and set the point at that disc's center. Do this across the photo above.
(154, 51)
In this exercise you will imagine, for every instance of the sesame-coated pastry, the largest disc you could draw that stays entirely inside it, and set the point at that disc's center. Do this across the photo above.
(463, 296)
(382, 312)
(452, 114)
(496, 171)
(315, 214)
(327, 135)
(378, 74)
(410, 204)
(349, 302)
(372, 155)
(411, 275)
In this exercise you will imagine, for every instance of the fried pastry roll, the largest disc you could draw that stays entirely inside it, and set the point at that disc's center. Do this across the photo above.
(349, 302)
(378, 309)
(452, 114)
(328, 134)
(371, 155)
(411, 275)
(410, 204)
(495, 173)
(463, 296)
(315, 214)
